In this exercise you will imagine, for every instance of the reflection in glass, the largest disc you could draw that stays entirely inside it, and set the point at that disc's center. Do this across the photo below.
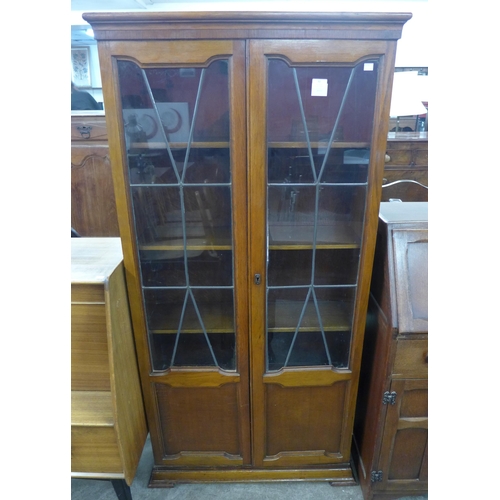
(176, 125)
(319, 127)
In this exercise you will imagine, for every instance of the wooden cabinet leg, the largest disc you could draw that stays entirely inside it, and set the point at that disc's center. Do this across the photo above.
(122, 489)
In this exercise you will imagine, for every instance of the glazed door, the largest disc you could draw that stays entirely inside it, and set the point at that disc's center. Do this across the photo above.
(183, 224)
(312, 125)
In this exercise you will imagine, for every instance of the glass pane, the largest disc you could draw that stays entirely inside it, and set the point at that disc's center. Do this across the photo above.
(184, 322)
(309, 326)
(332, 267)
(319, 123)
(322, 96)
(176, 124)
(326, 215)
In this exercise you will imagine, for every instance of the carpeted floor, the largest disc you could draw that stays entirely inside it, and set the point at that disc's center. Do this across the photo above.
(86, 489)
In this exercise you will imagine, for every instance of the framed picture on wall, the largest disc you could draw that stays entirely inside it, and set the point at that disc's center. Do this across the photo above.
(80, 67)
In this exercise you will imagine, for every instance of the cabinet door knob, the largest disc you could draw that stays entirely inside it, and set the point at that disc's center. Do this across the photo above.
(387, 158)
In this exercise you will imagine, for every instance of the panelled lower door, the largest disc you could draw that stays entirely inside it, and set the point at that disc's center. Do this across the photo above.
(313, 118)
(403, 457)
(183, 143)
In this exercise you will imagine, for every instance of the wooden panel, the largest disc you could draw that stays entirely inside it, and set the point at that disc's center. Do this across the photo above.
(199, 419)
(411, 275)
(94, 449)
(307, 376)
(304, 418)
(154, 53)
(415, 401)
(411, 359)
(328, 51)
(409, 448)
(129, 408)
(93, 210)
(89, 348)
(341, 475)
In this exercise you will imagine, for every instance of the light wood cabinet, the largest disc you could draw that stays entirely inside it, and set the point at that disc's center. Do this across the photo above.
(392, 414)
(248, 153)
(108, 422)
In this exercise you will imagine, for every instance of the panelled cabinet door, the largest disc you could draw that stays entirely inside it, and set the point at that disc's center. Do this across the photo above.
(183, 143)
(411, 247)
(312, 126)
(404, 452)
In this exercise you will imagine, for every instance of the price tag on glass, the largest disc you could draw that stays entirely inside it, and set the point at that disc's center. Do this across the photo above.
(319, 87)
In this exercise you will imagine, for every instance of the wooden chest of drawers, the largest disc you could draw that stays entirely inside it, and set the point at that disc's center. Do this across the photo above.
(391, 416)
(108, 425)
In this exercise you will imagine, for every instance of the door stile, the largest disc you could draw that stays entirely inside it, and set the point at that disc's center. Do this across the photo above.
(238, 138)
(256, 105)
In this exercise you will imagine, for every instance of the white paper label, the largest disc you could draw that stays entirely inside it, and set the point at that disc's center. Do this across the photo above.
(368, 67)
(319, 87)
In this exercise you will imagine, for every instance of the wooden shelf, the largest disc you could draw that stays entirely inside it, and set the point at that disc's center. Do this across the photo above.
(226, 144)
(180, 145)
(316, 144)
(162, 321)
(291, 236)
(203, 237)
(283, 316)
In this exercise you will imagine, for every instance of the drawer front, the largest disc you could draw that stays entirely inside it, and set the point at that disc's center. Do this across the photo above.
(83, 129)
(84, 292)
(408, 190)
(89, 348)
(95, 449)
(411, 359)
(407, 154)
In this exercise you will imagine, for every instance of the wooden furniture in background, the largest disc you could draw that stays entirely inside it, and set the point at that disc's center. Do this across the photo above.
(406, 167)
(93, 207)
(391, 418)
(108, 423)
(247, 153)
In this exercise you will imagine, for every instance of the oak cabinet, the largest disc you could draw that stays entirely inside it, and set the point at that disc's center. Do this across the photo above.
(392, 412)
(248, 152)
